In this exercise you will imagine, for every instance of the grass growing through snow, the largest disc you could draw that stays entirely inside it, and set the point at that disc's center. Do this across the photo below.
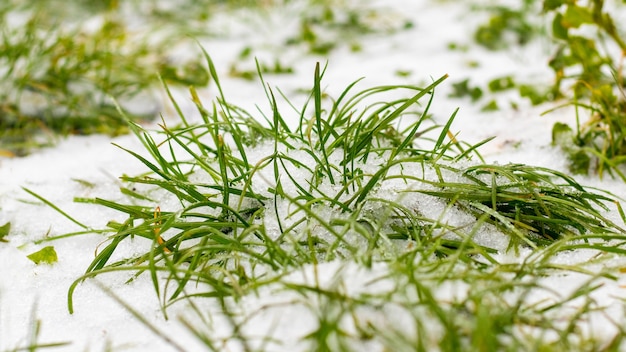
(589, 47)
(236, 208)
(594, 61)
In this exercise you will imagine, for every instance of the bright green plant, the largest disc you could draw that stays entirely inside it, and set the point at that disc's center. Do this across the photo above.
(590, 55)
(345, 184)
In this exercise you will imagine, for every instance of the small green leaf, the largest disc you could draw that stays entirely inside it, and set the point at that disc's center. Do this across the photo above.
(491, 106)
(46, 255)
(4, 231)
(533, 93)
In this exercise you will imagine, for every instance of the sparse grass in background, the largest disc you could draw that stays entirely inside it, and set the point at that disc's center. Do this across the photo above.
(594, 61)
(60, 79)
(233, 207)
(364, 182)
(65, 60)
(324, 22)
(588, 65)
(507, 26)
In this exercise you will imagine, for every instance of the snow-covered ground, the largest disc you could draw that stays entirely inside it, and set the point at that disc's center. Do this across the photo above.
(30, 292)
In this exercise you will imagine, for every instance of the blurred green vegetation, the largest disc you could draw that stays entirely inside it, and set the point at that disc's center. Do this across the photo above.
(64, 62)
(60, 75)
(589, 47)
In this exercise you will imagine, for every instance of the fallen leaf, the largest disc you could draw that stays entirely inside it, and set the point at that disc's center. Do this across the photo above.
(46, 255)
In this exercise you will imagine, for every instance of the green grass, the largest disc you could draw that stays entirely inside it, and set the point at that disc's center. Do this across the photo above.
(64, 68)
(240, 206)
(587, 42)
(368, 182)
(60, 75)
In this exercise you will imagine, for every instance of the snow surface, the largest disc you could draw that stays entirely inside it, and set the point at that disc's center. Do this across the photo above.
(30, 292)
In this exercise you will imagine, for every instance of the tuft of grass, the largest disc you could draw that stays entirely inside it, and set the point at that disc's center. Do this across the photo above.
(220, 215)
(363, 180)
(588, 66)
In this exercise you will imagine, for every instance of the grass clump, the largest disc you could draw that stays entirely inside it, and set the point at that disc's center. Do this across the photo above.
(588, 46)
(60, 79)
(593, 61)
(60, 73)
(238, 205)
